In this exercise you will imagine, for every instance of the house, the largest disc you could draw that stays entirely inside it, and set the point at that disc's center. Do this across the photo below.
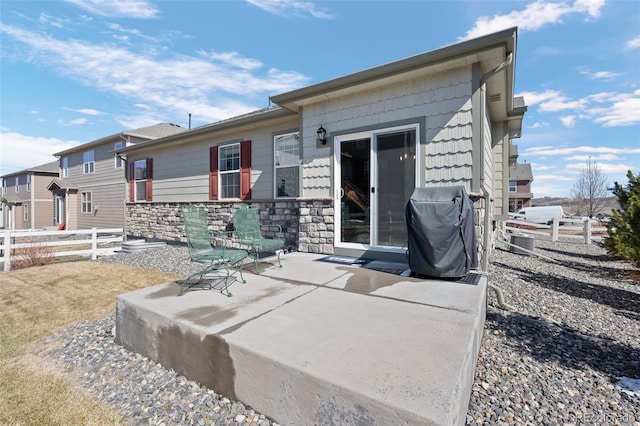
(91, 187)
(334, 163)
(520, 178)
(26, 204)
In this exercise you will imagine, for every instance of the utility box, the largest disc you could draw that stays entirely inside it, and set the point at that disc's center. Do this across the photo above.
(522, 241)
(441, 232)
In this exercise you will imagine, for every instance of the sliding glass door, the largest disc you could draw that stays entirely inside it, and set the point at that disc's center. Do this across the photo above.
(375, 174)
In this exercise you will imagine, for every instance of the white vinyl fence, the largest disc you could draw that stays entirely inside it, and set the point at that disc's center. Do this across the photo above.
(12, 240)
(567, 228)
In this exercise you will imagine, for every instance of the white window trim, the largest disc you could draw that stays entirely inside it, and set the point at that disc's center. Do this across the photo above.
(25, 213)
(86, 207)
(28, 183)
(65, 167)
(275, 166)
(118, 163)
(135, 181)
(515, 186)
(238, 171)
(91, 165)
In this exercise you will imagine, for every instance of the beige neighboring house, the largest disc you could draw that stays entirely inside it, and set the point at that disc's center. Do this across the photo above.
(90, 189)
(336, 162)
(26, 204)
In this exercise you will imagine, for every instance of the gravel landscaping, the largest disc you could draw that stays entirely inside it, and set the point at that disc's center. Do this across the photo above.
(557, 357)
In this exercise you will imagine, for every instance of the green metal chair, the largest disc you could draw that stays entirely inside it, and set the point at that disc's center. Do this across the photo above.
(211, 249)
(248, 229)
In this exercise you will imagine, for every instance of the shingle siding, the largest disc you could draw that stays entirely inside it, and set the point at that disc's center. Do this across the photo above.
(442, 99)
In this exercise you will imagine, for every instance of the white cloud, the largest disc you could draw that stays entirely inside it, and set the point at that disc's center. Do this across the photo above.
(607, 108)
(568, 120)
(601, 75)
(542, 167)
(599, 150)
(534, 98)
(232, 58)
(22, 151)
(553, 177)
(87, 111)
(624, 110)
(140, 9)
(534, 16)
(175, 86)
(291, 7)
(539, 125)
(602, 167)
(601, 157)
(634, 43)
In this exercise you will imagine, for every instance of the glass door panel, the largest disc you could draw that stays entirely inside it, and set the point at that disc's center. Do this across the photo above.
(395, 171)
(355, 211)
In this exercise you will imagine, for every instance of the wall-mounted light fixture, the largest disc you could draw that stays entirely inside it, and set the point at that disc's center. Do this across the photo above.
(322, 135)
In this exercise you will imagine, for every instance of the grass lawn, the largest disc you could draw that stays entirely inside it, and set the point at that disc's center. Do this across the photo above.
(34, 303)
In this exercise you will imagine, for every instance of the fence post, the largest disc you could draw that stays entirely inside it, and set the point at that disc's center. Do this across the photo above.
(6, 247)
(587, 231)
(555, 229)
(94, 243)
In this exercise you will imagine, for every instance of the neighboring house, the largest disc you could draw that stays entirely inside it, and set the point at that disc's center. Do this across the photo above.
(26, 204)
(91, 188)
(442, 118)
(520, 178)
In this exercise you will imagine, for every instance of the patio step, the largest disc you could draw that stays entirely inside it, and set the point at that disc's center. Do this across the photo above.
(319, 343)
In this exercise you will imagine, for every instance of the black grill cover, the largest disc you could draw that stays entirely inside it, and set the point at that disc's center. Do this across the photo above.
(440, 228)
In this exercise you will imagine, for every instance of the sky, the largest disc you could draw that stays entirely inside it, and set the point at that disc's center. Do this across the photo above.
(78, 70)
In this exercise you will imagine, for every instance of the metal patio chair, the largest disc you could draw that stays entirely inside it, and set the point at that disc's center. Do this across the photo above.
(248, 229)
(214, 250)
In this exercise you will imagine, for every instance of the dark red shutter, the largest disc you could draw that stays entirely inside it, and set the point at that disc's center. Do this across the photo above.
(149, 179)
(245, 170)
(132, 182)
(213, 173)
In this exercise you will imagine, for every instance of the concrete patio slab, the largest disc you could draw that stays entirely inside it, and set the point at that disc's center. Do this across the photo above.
(319, 343)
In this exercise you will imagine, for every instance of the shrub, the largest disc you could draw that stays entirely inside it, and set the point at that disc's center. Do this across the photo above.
(33, 254)
(624, 228)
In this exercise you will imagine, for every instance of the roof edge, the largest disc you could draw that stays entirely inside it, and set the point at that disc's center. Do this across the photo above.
(452, 51)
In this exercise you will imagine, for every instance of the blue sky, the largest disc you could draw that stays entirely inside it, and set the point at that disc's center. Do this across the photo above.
(78, 70)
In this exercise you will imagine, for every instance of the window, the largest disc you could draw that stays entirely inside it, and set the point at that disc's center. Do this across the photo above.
(287, 165)
(65, 167)
(88, 163)
(140, 180)
(117, 160)
(512, 186)
(86, 202)
(26, 213)
(28, 183)
(17, 184)
(230, 171)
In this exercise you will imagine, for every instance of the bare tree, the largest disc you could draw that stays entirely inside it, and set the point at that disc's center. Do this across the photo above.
(590, 191)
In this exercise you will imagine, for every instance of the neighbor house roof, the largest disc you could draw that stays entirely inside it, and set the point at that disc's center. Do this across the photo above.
(47, 169)
(249, 119)
(150, 132)
(64, 183)
(521, 172)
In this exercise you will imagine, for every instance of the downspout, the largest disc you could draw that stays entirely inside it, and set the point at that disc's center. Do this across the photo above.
(487, 196)
(124, 200)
